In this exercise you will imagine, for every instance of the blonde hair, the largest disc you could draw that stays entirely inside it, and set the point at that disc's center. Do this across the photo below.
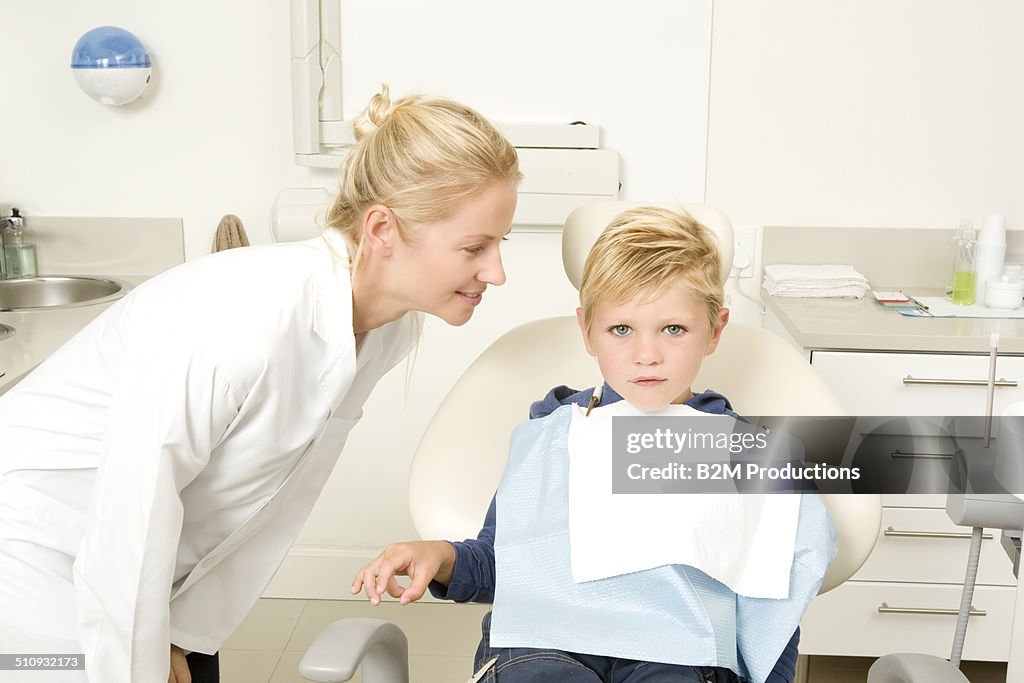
(646, 250)
(419, 156)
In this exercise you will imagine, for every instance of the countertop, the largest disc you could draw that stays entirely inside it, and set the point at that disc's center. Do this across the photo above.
(131, 249)
(863, 325)
(40, 332)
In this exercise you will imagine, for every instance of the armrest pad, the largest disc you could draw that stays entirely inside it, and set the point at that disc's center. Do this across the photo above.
(379, 646)
(914, 668)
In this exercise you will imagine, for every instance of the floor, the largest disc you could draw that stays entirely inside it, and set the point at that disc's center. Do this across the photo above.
(269, 644)
(442, 638)
(855, 670)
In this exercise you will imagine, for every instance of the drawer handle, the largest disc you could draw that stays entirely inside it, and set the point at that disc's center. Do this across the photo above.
(885, 609)
(929, 534)
(910, 379)
(897, 453)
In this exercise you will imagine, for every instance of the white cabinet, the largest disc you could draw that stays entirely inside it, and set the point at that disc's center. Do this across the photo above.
(918, 383)
(874, 618)
(905, 597)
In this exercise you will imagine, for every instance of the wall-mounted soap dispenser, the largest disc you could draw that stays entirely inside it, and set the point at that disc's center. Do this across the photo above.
(19, 251)
(111, 65)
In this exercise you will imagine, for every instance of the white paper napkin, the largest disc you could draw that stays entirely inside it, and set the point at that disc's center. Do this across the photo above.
(746, 541)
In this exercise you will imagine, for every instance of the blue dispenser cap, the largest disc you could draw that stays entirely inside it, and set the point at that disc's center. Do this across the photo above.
(109, 47)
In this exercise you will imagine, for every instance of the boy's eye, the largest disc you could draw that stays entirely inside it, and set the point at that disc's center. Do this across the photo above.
(620, 330)
(675, 330)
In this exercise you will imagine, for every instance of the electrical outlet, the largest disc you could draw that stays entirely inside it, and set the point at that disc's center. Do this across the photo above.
(744, 251)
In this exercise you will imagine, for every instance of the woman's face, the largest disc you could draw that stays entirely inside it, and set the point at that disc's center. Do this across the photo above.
(446, 266)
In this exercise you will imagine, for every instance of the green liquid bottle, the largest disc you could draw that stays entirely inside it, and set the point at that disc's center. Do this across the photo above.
(963, 287)
(964, 275)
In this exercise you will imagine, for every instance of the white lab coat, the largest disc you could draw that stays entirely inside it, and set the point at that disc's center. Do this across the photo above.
(172, 450)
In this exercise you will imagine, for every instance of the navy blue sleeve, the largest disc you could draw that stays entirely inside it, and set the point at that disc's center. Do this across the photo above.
(785, 669)
(473, 576)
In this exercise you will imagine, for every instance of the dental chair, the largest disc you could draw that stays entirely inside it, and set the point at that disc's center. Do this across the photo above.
(465, 445)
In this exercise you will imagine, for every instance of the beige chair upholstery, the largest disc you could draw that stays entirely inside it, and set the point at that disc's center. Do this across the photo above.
(462, 453)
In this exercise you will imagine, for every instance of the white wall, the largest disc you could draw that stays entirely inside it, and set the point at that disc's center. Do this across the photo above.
(212, 134)
(639, 71)
(884, 113)
(878, 113)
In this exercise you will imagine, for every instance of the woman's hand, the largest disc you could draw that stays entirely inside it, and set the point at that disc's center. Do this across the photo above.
(179, 667)
(422, 561)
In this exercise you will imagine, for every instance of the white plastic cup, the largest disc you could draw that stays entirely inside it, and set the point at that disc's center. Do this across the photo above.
(990, 251)
(993, 228)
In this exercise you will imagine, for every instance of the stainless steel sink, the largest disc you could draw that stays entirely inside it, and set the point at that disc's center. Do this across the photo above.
(5, 331)
(50, 291)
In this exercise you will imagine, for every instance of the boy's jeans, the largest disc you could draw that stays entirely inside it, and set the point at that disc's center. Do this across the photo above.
(529, 665)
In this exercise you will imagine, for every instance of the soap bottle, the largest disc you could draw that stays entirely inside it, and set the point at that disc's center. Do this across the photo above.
(965, 225)
(989, 253)
(963, 266)
(19, 250)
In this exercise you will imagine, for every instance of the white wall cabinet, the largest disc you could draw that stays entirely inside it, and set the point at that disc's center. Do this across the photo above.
(906, 596)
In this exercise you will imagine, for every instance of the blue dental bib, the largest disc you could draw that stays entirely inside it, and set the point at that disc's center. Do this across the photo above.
(674, 614)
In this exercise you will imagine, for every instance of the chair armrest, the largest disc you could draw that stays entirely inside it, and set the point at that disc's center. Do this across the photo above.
(379, 646)
(914, 668)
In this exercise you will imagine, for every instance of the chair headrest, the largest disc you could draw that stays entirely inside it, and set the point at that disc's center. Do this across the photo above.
(585, 223)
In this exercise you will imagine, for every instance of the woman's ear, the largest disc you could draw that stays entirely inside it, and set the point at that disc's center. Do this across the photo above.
(380, 229)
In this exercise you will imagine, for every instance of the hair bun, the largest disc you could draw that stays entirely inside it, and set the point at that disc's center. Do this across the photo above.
(376, 112)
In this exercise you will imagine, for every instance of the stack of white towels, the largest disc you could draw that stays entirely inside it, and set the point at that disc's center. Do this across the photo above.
(814, 281)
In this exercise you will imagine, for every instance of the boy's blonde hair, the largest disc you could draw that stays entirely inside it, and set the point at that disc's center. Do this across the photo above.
(419, 156)
(644, 251)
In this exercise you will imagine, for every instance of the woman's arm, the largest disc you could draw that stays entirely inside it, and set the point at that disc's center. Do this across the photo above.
(167, 415)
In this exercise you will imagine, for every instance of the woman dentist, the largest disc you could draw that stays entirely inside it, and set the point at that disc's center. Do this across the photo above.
(155, 470)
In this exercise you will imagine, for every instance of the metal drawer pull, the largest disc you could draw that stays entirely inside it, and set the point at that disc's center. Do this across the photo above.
(885, 609)
(910, 379)
(929, 534)
(897, 453)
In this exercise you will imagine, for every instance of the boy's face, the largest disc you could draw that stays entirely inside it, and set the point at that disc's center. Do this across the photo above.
(650, 352)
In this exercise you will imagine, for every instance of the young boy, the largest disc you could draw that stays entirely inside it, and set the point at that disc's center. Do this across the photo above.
(651, 308)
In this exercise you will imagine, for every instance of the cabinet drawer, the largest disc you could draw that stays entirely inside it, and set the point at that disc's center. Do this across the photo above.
(897, 463)
(876, 383)
(847, 621)
(924, 546)
(914, 500)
